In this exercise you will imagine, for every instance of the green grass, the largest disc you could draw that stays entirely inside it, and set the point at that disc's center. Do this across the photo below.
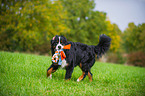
(25, 74)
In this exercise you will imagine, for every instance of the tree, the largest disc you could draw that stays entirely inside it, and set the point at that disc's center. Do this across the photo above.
(86, 25)
(113, 33)
(78, 12)
(26, 24)
(134, 38)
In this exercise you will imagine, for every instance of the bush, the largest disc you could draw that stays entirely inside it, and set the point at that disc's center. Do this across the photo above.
(116, 58)
(137, 59)
(112, 57)
(43, 48)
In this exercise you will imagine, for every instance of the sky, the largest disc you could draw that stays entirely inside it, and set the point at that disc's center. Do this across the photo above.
(123, 12)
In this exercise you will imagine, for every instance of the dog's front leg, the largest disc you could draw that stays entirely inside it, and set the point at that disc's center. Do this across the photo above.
(51, 69)
(69, 71)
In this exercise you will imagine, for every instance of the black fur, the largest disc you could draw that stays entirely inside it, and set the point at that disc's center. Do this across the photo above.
(81, 54)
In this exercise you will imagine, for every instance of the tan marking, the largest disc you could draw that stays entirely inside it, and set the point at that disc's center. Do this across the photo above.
(81, 65)
(90, 77)
(49, 72)
(55, 63)
(53, 70)
(81, 77)
(67, 80)
(67, 65)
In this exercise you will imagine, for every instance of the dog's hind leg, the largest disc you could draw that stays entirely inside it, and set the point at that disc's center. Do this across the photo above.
(90, 76)
(83, 74)
(86, 71)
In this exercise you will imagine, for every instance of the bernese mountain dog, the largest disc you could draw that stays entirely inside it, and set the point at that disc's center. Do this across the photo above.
(79, 54)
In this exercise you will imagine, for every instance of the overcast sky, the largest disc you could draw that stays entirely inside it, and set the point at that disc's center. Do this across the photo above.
(122, 12)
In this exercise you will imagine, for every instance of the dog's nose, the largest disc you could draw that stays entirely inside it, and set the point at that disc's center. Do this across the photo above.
(59, 47)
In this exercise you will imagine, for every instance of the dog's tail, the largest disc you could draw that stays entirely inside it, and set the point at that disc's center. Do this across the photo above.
(103, 46)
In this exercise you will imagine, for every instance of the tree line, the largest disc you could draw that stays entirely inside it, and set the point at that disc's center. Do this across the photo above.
(29, 25)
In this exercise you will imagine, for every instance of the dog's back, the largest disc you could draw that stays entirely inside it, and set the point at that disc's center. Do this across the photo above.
(82, 55)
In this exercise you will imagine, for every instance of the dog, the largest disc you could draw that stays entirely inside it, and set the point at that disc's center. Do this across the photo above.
(79, 54)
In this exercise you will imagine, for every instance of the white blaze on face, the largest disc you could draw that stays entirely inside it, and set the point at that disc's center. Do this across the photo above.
(59, 46)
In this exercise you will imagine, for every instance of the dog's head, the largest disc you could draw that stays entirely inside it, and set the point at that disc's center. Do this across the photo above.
(58, 42)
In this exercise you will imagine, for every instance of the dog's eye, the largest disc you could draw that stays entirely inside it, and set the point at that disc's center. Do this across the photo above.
(53, 46)
(57, 41)
(61, 41)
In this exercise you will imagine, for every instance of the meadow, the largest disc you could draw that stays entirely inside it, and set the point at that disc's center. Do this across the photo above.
(25, 74)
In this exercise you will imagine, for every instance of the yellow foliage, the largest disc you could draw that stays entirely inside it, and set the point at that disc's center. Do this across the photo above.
(30, 24)
(115, 43)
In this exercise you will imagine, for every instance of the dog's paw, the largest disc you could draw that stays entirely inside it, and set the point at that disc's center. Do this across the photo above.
(50, 77)
(78, 80)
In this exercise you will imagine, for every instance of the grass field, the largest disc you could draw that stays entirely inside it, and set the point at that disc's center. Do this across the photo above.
(25, 74)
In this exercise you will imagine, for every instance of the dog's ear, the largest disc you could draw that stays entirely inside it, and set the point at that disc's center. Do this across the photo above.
(56, 37)
(64, 39)
(52, 41)
(52, 45)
